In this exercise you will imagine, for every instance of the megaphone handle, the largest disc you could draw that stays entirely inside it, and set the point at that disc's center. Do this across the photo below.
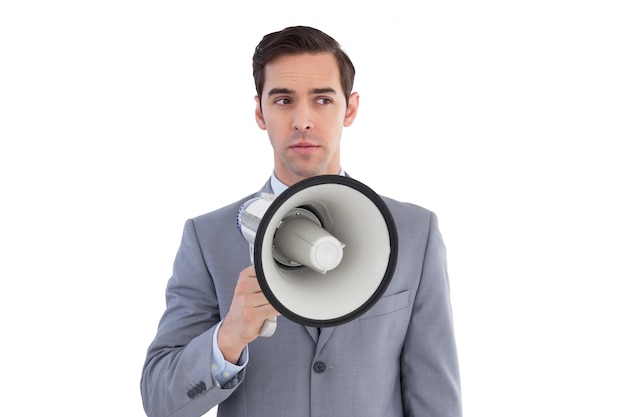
(268, 328)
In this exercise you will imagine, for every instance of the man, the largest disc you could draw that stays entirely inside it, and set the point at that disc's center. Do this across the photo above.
(398, 359)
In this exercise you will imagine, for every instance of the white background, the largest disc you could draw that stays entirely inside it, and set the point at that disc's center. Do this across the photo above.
(121, 119)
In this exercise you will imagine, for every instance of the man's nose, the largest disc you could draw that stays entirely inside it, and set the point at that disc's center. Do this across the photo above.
(302, 118)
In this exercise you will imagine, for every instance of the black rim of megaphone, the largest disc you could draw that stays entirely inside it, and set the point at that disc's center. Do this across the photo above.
(279, 201)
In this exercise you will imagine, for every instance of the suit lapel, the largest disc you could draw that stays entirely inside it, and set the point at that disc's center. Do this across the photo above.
(324, 335)
(313, 332)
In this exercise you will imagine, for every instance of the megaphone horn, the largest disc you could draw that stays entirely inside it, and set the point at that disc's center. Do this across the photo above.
(324, 250)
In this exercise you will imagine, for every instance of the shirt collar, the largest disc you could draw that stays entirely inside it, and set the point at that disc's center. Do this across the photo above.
(278, 187)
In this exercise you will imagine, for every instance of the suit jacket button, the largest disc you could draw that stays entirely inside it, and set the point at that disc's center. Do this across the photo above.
(319, 367)
(197, 390)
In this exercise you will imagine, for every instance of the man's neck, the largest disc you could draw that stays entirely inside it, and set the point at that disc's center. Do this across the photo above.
(278, 186)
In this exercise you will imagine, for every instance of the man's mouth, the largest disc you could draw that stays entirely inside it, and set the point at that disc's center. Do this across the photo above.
(304, 148)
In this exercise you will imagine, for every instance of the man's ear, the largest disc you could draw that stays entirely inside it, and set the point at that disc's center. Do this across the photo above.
(352, 110)
(258, 114)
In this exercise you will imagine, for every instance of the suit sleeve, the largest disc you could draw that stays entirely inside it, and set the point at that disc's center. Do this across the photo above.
(430, 370)
(177, 378)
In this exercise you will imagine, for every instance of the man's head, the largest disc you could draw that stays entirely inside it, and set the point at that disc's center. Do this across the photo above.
(304, 101)
(300, 40)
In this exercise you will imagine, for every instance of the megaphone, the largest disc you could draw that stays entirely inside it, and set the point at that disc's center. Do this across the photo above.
(324, 250)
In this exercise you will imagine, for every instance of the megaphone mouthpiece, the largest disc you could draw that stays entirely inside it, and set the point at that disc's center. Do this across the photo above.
(249, 217)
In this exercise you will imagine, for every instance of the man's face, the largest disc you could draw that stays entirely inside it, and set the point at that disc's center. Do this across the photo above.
(303, 108)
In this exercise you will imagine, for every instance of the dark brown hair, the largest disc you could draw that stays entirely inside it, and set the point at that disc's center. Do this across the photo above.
(299, 40)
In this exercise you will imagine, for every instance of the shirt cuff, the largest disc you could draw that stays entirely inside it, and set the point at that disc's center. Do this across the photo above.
(222, 370)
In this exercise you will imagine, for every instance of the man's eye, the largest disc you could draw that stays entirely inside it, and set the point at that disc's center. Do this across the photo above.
(324, 100)
(282, 101)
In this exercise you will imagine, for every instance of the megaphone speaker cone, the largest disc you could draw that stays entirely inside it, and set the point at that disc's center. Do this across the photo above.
(343, 260)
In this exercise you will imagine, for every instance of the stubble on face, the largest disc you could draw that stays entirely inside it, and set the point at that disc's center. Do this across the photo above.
(307, 157)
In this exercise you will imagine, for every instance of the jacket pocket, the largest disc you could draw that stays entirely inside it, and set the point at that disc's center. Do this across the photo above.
(388, 304)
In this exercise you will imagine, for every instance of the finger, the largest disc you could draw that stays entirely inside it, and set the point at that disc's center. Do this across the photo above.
(248, 272)
(248, 287)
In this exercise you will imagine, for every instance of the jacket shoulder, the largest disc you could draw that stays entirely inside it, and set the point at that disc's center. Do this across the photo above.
(403, 210)
(221, 215)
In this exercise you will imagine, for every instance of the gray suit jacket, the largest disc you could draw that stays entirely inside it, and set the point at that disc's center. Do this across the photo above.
(398, 359)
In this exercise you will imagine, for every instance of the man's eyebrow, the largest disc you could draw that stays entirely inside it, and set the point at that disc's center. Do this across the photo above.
(325, 90)
(278, 90)
(281, 90)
